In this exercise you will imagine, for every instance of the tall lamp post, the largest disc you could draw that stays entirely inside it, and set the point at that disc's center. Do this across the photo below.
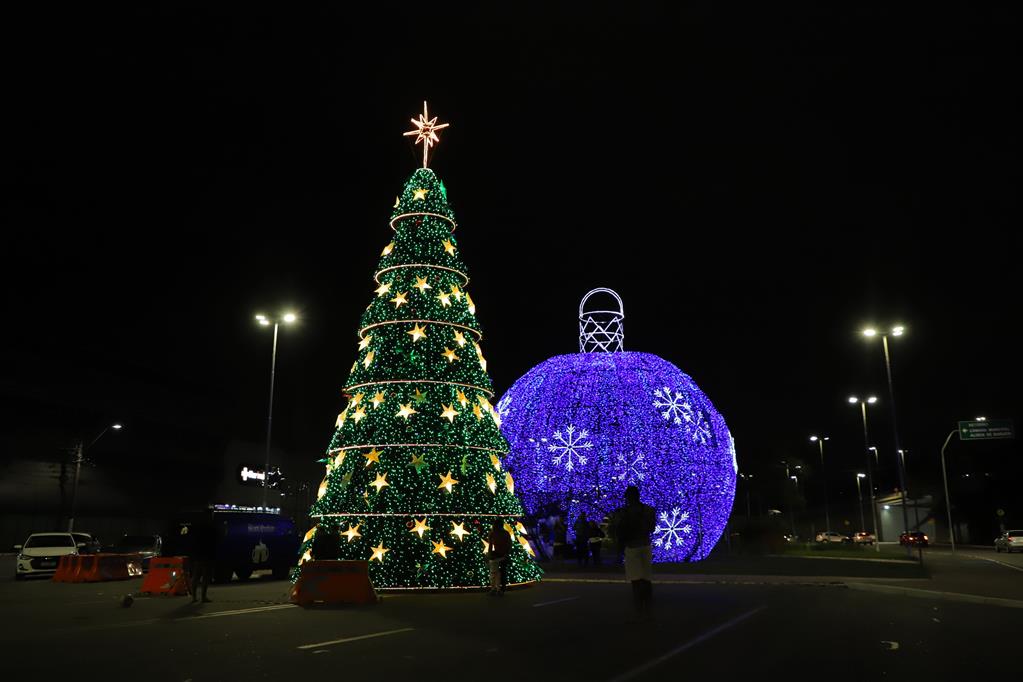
(746, 479)
(820, 444)
(895, 331)
(264, 321)
(870, 472)
(80, 449)
(859, 496)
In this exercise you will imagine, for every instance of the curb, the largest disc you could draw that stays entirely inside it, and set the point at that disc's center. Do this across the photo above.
(846, 558)
(933, 594)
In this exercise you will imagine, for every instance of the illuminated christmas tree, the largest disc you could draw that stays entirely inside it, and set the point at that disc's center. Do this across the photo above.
(415, 475)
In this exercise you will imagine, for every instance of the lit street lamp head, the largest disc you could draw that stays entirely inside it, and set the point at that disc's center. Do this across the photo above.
(116, 427)
(853, 399)
(861, 475)
(870, 332)
(290, 317)
(897, 331)
(872, 399)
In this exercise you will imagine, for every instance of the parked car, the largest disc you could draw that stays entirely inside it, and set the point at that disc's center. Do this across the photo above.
(87, 544)
(1009, 540)
(863, 538)
(42, 551)
(914, 538)
(146, 546)
(831, 536)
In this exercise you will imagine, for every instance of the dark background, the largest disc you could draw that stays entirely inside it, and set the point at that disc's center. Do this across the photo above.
(756, 184)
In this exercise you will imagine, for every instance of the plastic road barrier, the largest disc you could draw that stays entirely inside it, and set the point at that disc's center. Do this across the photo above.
(334, 582)
(167, 575)
(66, 568)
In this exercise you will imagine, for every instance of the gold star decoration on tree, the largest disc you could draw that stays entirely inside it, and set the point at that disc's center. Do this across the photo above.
(372, 456)
(472, 306)
(421, 284)
(364, 343)
(458, 530)
(509, 482)
(322, 490)
(397, 202)
(526, 546)
(496, 461)
(352, 532)
(380, 482)
(341, 418)
(339, 460)
(447, 482)
(367, 360)
(448, 413)
(406, 411)
(459, 338)
(462, 400)
(384, 288)
(449, 247)
(456, 292)
(479, 354)
(418, 461)
(310, 533)
(491, 483)
(419, 397)
(379, 551)
(449, 354)
(345, 480)
(390, 247)
(426, 132)
(418, 332)
(478, 412)
(378, 399)
(420, 527)
(445, 300)
(520, 528)
(358, 415)
(419, 194)
(399, 300)
(357, 398)
(486, 548)
(440, 548)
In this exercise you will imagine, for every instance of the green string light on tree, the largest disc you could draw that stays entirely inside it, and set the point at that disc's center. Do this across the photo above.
(414, 471)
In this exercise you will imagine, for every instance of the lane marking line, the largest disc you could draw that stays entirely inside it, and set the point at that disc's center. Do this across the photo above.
(556, 601)
(238, 612)
(356, 638)
(934, 594)
(688, 645)
(995, 561)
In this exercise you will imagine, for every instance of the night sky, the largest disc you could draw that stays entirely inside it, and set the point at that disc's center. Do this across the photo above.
(757, 187)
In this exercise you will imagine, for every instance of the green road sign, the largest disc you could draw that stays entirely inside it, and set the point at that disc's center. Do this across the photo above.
(986, 430)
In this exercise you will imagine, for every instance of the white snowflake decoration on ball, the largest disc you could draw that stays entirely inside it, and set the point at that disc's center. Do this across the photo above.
(570, 447)
(672, 528)
(631, 468)
(674, 407)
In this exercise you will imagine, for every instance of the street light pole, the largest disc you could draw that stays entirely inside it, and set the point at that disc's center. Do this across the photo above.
(859, 496)
(264, 321)
(870, 472)
(948, 499)
(895, 331)
(827, 515)
(79, 458)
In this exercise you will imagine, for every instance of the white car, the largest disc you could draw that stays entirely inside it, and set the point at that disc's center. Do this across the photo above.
(1009, 541)
(42, 551)
(863, 538)
(831, 536)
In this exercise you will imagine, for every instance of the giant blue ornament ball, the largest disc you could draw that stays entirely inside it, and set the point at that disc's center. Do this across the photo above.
(583, 427)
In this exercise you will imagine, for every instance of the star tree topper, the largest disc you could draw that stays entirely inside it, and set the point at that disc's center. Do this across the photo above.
(426, 132)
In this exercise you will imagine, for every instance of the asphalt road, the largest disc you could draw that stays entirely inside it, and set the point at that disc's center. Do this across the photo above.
(725, 627)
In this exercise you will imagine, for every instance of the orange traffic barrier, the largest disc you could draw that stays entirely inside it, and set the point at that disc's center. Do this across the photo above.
(334, 582)
(167, 575)
(112, 567)
(65, 568)
(85, 566)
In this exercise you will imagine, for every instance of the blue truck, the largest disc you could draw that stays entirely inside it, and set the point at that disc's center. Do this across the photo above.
(247, 539)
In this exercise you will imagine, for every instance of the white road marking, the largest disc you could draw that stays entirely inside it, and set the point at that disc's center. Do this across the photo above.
(995, 561)
(556, 601)
(688, 645)
(356, 638)
(933, 594)
(239, 612)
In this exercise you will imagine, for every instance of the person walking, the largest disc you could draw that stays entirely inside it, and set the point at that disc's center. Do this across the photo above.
(582, 539)
(596, 539)
(202, 558)
(633, 525)
(498, 549)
